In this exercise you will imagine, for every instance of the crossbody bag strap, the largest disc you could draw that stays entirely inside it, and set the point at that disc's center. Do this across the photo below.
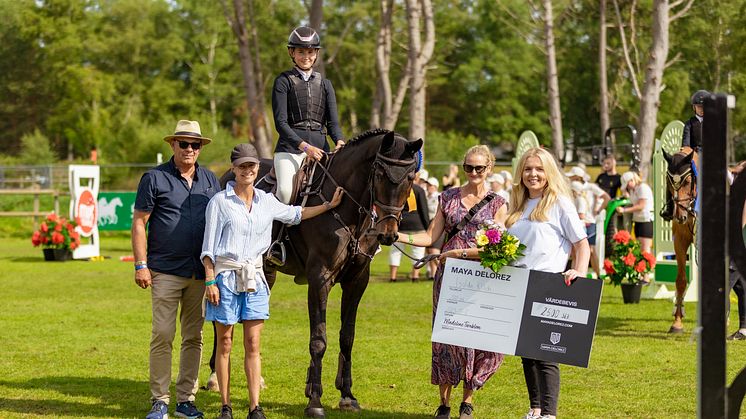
(472, 212)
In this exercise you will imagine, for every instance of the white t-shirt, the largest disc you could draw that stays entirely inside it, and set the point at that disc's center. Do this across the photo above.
(584, 208)
(548, 243)
(642, 191)
(594, 194)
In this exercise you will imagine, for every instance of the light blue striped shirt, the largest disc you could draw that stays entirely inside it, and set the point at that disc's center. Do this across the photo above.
(234, 232)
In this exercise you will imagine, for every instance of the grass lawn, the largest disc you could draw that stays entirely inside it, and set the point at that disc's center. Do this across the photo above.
(75, 341)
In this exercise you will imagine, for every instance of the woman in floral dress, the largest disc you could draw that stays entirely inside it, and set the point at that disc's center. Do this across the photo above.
(452, 364)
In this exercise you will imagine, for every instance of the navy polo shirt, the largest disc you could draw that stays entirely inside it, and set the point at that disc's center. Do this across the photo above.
(176, 225)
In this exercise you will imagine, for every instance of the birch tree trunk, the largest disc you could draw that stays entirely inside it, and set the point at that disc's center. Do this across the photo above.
(255, 107)
(555, 113)
(650, 98)
(419, 56)
(387, 105)
(603, 88)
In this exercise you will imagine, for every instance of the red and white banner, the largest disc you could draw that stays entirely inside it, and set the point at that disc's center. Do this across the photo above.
(84, 183)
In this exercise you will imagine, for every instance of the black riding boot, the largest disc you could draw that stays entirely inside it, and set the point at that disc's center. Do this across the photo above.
(667, 210)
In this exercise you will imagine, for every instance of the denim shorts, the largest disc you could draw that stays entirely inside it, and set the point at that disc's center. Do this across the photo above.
(590, 231)
(234, 308)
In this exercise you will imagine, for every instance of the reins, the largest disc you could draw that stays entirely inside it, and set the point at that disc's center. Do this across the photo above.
(381, 162)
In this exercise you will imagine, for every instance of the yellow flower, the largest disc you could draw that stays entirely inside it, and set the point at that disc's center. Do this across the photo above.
(482, 239)
(510, 248)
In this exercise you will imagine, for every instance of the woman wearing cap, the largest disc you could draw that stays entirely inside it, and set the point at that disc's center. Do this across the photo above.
(641, 197)
(305, 110)
(544, 218)
(238, 230)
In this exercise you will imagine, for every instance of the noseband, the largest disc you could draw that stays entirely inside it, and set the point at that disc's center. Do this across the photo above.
(395, 170)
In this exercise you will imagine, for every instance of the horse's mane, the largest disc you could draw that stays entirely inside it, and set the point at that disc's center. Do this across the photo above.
(367, 134)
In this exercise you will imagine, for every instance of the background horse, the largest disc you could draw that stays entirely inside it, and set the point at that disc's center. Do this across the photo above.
(681, 181)
(376, 170)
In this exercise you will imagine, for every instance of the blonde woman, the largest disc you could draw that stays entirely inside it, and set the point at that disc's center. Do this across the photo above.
(452, 364)
(544, 218)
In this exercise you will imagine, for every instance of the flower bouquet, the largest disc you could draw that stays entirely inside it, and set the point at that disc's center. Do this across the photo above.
(497, 247)
(56, 234)
(627, 262)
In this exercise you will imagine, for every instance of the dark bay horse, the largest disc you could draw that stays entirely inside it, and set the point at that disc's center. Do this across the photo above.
(681, 181)
(376, 170)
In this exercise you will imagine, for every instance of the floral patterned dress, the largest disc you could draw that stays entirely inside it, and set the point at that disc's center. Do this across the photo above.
(451, 364)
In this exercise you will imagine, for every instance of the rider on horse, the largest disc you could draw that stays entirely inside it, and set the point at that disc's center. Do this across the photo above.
(692, 138)
(305, 110)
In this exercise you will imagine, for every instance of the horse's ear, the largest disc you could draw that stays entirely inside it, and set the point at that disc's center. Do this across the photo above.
(667, 156)
(688, 159)
(388, 140)
(414, 146)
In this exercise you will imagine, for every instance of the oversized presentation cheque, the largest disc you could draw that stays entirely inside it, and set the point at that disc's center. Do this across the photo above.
(517, 312)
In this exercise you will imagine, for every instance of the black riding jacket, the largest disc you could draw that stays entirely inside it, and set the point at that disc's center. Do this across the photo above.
(304, 111)
(692, 134)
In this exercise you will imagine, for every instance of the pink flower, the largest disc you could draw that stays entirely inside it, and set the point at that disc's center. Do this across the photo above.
(494, 236)
(641, 266)
(630, 259)
(608, 266)
(57, 238)
(622, 236)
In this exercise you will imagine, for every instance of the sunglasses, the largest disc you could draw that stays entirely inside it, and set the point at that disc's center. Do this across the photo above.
(479, 169)
(185, 144)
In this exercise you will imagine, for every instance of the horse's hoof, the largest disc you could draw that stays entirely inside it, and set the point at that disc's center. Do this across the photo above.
(347, 404)
(314, 412)
(212, 383)
(676, 330)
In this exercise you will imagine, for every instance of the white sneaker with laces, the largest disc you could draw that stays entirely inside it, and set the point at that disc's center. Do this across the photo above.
(530, 415)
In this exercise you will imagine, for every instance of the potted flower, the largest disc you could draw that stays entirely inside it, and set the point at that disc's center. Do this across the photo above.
(57, 236)
(628, 265)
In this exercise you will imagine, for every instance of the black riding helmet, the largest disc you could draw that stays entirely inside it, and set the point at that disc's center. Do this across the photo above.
(698, 98)
(304, 37)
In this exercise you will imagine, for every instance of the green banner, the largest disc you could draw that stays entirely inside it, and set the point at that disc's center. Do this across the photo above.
(115, 210)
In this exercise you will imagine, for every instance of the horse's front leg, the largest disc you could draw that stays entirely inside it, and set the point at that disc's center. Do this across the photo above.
(353, 286)
(319, 286)
(681, 246)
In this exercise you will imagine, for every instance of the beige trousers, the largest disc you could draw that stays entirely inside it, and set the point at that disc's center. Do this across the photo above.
(168, 292)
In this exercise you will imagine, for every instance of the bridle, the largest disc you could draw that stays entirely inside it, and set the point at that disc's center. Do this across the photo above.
(677, 181)
(395, 171)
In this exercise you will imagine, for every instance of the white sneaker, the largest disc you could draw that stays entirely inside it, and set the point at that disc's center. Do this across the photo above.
(530, 415)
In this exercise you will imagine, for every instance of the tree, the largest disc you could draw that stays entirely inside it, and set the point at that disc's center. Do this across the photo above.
(603, 83)
(420, 53)
(553, 94)
(252, 83)
(656, 63)
(387, 104)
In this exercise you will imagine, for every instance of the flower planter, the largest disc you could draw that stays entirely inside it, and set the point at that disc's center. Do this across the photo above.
(59, 255)
(631, 293)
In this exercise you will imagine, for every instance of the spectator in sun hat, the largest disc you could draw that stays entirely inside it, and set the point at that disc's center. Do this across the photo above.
(596, 200)
(497, 185)
(508, 178)
(167, 229)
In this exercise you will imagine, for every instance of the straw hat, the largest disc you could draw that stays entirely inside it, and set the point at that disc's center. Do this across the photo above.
(188, 130)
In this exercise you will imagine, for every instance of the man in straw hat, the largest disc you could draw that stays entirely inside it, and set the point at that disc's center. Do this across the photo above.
(171, 202)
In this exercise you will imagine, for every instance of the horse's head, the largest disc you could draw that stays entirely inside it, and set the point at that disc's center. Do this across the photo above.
(393, 173)
(681, 181)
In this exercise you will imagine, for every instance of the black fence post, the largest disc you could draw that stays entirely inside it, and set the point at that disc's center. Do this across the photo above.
(713, 251)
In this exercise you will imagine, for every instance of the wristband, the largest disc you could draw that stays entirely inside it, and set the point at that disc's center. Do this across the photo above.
(410, 239)
(211, 282)
(141, 262)
(143, 266)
